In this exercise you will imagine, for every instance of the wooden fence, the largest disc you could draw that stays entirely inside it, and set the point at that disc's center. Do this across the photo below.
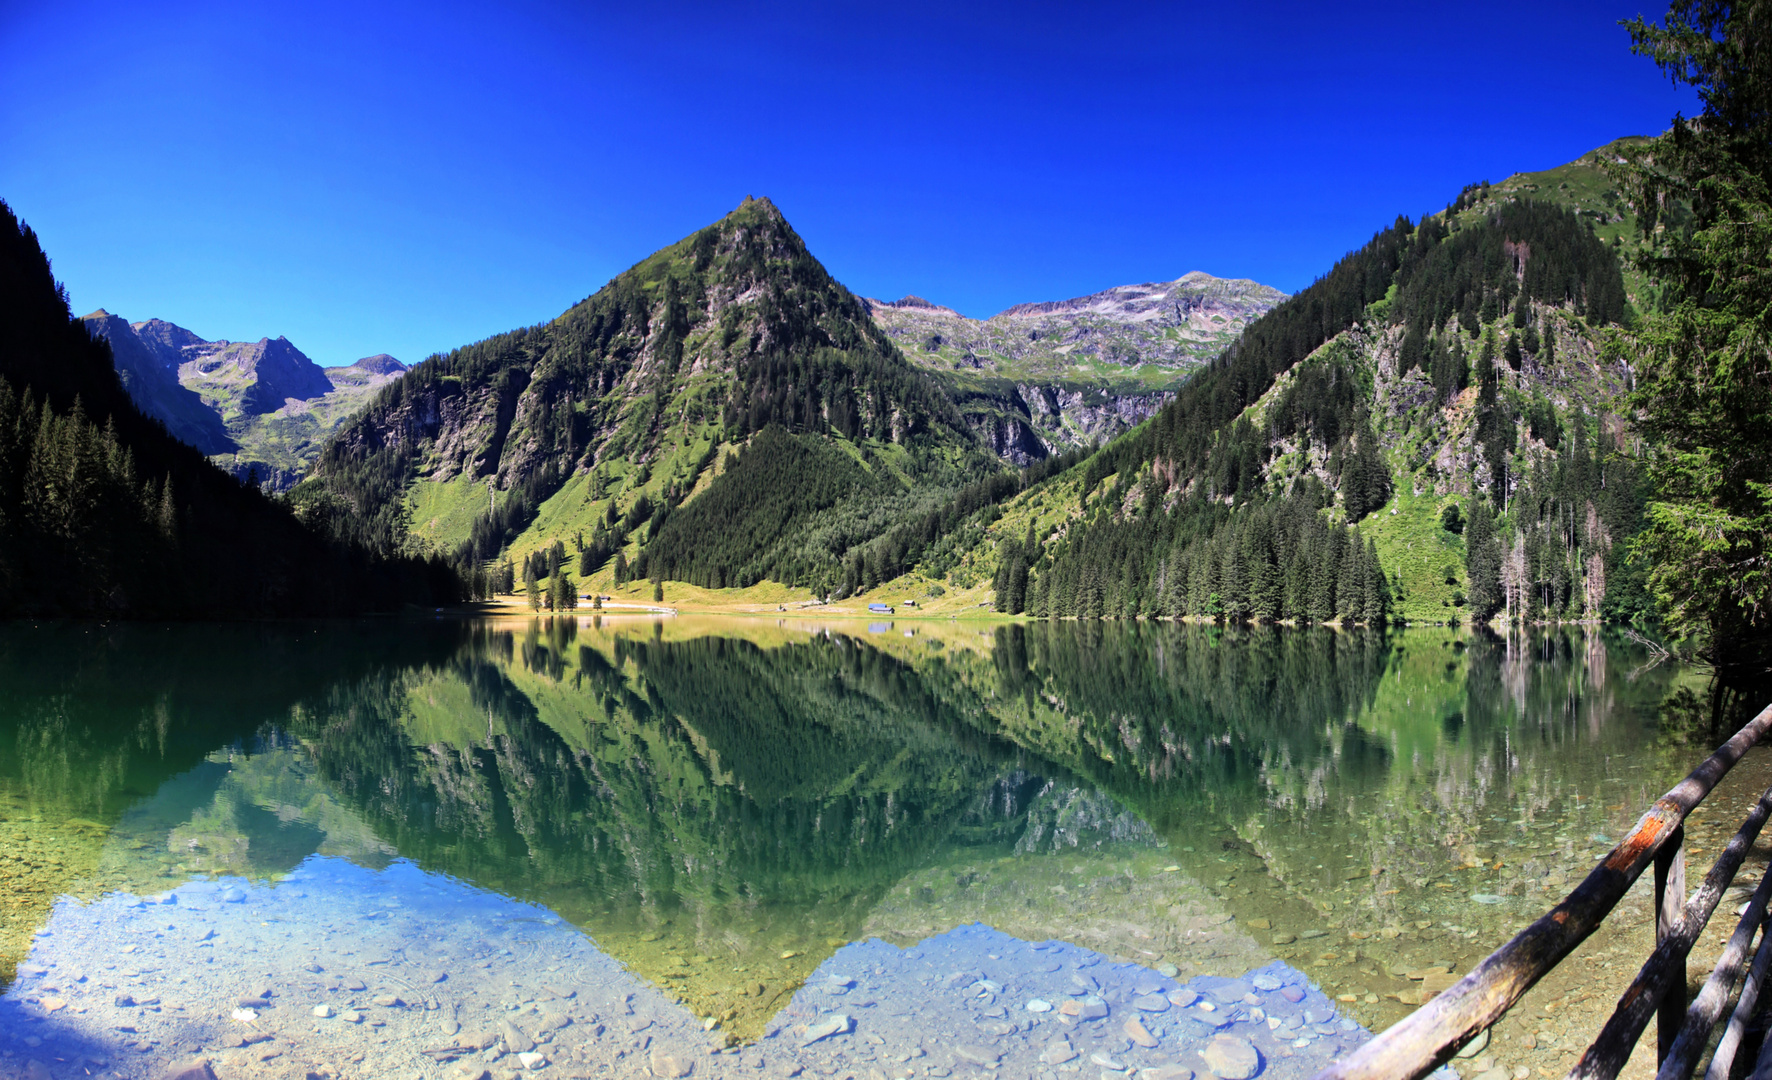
(1431, 1035)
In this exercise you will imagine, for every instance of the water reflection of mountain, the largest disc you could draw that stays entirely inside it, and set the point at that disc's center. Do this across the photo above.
(721, 809)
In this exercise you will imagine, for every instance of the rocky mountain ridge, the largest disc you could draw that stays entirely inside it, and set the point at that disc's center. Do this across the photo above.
(259, 408)
(1042, 378)
(1154, 333)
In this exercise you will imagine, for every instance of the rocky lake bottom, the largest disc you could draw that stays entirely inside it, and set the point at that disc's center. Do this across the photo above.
(340, 971)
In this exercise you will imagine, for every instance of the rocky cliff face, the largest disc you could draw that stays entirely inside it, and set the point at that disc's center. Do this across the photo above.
(154, 387)
(1042, 378)
(257, 408)
(1027, 421)
(1158, 332)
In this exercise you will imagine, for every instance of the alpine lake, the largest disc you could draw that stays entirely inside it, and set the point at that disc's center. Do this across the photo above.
(629, 846)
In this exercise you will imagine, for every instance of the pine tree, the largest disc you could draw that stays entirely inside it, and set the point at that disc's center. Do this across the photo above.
(1378, 597)
(1704, 366)
(1482, 563)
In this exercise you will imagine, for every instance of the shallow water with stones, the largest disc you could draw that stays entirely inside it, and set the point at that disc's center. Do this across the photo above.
(588, 846)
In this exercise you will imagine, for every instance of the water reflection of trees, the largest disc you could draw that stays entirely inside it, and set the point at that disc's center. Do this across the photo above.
(1337, 754)
(740, 789)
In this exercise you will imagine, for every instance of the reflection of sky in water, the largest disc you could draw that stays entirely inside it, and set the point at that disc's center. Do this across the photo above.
(398, 972)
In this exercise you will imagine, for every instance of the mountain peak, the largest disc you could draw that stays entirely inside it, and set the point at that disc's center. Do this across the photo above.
(380, 364)
(168, 338)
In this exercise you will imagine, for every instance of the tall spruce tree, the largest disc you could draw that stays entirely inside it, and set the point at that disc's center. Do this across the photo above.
(1704, 362)
(1482, 563)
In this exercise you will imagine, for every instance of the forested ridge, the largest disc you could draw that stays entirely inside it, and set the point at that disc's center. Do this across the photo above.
(104, 513)
(731, 332)
(1242, 497)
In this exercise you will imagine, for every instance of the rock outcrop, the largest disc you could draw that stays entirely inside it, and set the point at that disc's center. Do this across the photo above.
(1171, 326)
(258, 408)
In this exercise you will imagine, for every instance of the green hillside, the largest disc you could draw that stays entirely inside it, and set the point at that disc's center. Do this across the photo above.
(592, 429)
(1454, 363)
(724, 414)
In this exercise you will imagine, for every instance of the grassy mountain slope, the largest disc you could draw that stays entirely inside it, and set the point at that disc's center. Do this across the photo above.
(603, 421)
(1454, 363)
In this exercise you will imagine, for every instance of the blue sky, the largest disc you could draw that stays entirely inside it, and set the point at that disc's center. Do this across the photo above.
(368, 178)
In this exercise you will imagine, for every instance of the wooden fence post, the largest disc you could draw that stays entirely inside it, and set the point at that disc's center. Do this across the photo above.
(1670, 903)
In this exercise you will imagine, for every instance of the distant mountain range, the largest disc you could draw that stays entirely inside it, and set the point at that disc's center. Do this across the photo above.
(1154, 334)
(261, 407)
(1043, 378)
(103, 512)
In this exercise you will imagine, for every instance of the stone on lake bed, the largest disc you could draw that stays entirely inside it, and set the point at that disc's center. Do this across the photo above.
(977, 1055)
(1106, 1062)
(245, 1016)
(1166, 1072)
(1285, 939)
(1259, 924)
(1139, 1034)
(1086, 1008)
(1182, 998)
(515, 1041)
(1039, 1005)
(1058, 1052)
(833, 1024)
(323, 1011)
(671, 1066)
(1231, 1058)
(1168, 971)
(196, 1070)
(1485, 898)
(1307, 935)
(531, 1059)
(386, 1001)
(1294, 994)
(1266, 981)
(351, 1016)
(232, 895)
(1151, 1003)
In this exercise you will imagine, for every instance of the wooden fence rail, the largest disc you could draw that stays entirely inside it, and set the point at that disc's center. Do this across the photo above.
(1431, 1035)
